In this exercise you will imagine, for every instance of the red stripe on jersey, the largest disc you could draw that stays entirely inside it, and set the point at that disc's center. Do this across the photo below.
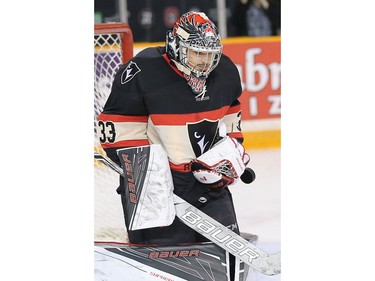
(126, 143)
(182, 119)
(184, 167)
(166, 58)
(122, 118)
(234, 109)
(236, 135)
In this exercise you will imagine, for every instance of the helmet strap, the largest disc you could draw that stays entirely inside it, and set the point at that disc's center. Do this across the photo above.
(181, 68)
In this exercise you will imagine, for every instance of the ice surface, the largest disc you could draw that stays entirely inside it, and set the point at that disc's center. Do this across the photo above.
(258, 204)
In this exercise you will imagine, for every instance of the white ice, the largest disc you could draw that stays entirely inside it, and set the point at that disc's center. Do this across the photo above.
(258, 204)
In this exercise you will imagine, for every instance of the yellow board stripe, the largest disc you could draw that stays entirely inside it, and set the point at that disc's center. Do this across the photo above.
(251, 39)
(107, 48)
(99, 149)
(262, 139)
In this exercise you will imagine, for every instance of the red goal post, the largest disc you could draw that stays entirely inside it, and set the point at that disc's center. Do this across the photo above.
(113, 45)
(121, 30)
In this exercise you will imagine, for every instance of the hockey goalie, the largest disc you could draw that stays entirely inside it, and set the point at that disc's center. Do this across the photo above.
(172, 122)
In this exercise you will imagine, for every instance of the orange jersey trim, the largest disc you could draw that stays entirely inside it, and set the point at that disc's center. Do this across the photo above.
(126, 143)
(234, 109)
(236, 135)
(184, 167)
(166, 58)
(122, 118)
(182, 119)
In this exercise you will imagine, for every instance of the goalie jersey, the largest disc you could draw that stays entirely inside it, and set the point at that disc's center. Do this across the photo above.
(151, 102)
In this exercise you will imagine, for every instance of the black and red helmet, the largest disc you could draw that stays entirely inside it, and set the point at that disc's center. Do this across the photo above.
(194, 31)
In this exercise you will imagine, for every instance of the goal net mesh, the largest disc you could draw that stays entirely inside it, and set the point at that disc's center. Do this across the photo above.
(113, 45)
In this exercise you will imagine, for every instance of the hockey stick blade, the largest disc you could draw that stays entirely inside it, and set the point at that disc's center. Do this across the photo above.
(268, 264)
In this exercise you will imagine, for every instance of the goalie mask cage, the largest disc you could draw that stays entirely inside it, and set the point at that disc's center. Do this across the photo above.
(113, 45)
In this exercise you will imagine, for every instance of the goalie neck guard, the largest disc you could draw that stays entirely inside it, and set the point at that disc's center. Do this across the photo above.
(194, 45)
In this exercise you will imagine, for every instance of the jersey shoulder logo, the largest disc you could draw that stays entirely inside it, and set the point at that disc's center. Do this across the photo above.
(129, 72)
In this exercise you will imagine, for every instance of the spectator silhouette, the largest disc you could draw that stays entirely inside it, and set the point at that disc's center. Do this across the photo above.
(256, 18)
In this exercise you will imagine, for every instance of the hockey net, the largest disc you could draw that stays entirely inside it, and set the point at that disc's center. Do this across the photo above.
(113, 45)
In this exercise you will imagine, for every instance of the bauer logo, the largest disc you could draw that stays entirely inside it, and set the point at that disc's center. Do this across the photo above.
(130, 71)
(172, 254)
(130, 178)
(220, 236)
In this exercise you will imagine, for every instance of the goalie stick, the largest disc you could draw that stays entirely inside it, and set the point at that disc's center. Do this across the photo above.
(268, 264)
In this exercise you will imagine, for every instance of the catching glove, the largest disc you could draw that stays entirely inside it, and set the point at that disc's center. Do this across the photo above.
(222, 165)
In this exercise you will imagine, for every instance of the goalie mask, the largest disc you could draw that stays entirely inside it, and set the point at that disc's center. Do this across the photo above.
(194, 46)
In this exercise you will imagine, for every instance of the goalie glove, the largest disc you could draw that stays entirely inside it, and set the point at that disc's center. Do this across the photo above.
(222, 165)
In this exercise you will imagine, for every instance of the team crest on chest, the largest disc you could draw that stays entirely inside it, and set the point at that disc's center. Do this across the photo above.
(202, 135)
(129, 72)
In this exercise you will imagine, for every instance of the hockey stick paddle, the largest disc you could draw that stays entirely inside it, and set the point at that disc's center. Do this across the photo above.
(268, 264)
